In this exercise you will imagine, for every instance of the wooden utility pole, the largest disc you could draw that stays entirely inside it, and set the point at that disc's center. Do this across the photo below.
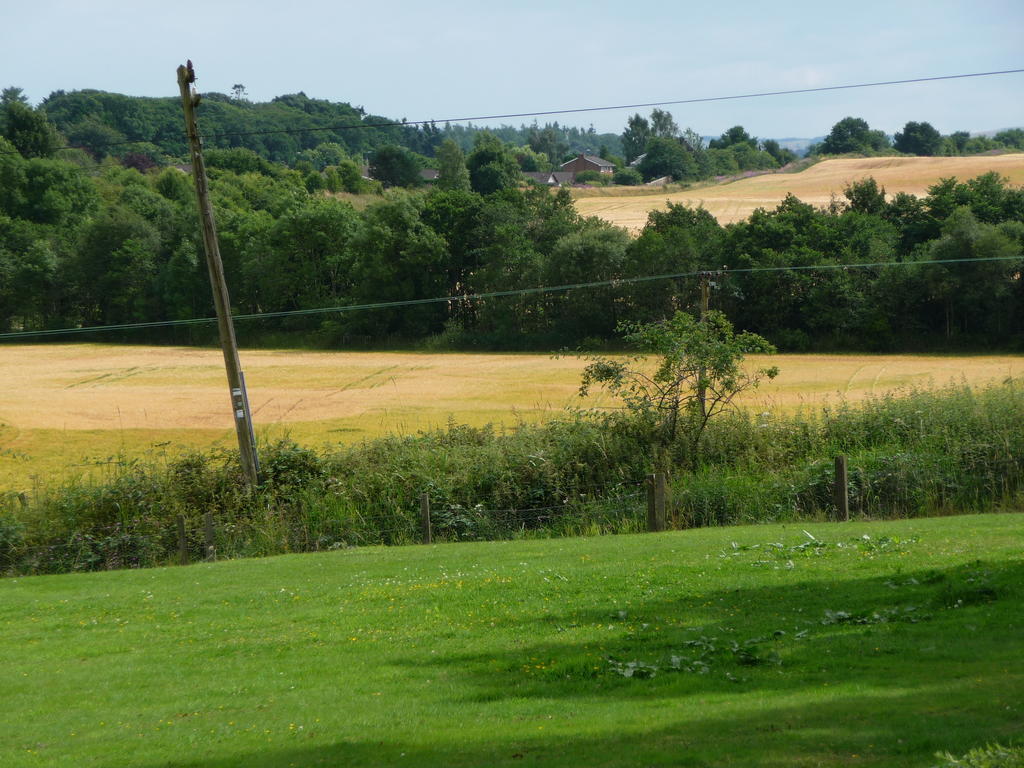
(236, 379)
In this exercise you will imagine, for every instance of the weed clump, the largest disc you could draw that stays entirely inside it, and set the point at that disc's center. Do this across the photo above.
(927, 452)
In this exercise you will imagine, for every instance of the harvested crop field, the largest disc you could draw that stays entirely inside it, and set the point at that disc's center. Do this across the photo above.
(66, 410)
(628, 206)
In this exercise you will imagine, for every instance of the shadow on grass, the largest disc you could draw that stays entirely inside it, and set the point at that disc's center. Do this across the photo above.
(880, 671)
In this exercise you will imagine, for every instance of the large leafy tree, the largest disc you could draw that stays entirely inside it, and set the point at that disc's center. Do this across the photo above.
(549, 142)
(492, 165)
(635, 137)
(853, 134)
(397, 257)
(28, 129)
(395, 166)
(451, 166)
(918, 139)
(735, 135)
(663, 124)
(116, 267)
(667, 157)
(593, 251)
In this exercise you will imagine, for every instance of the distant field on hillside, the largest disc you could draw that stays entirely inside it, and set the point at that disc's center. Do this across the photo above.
(628, 207)
(70, 409)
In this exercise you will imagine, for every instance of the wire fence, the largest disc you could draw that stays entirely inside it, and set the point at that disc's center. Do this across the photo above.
(155, 540)
(902, 484)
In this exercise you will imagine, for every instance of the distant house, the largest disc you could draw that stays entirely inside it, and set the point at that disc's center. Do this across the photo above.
(583, 162)
(541, 177)
(551, 178)
(430, 174)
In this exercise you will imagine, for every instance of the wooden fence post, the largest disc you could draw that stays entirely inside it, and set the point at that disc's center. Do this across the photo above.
(428, 536)
(842, 493)
(211, 549)
(656, 502)
(182, 541)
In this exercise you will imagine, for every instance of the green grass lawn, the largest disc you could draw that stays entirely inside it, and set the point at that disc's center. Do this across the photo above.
(870, 644)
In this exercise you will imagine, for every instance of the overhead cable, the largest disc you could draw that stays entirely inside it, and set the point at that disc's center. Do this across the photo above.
(494, 294)
(569, 111)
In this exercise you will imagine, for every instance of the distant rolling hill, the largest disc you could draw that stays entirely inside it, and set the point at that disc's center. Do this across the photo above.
(734, 201)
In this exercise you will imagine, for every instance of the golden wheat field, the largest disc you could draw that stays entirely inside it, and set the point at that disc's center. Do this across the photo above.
(628, 206)
(69, 410)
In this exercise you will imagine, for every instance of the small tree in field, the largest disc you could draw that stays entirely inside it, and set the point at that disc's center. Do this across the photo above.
(699, 373)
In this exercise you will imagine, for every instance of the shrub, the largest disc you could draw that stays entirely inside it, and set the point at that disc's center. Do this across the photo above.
(627, 177)
(921, 453)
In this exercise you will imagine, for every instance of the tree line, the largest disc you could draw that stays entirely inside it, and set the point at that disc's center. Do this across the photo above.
(144, 132)
(87, 241)
(100, 244)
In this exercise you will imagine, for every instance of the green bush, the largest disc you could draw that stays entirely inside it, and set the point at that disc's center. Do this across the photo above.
(926, 452)
(627, 177)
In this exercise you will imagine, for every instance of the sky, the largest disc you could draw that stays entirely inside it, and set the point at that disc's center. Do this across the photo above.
(450, 59)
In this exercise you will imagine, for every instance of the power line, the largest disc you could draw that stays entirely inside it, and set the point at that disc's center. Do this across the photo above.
(674, 102)
(569, 111)
(495, 294)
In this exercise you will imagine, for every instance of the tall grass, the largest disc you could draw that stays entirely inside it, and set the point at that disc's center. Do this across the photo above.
(920, 453)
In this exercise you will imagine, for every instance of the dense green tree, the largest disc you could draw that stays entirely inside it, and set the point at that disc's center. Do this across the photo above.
(722, 162)
(628, 177)
(735, 135)
(28, 129)
(306, 259)
(918, 139)
(11, 95)
(973, 295)
(397, 257)
(240, 160)
(782, 156)
(547, 141)
(451, 165)
(529, 160)
(663, 125)
(667, 157)
(593, 251)
(28, 275)
(635, 137)
(95, 137)
(492, 165)
(749, 158)
(852, 134)
(455, 215)
(395, 166)
(960, 139)
(865, 196)
(1012, 138)
(45, 191)
(115, 268)
(679, 239)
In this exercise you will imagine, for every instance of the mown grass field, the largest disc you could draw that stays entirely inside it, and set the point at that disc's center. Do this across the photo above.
(68, 410)
(628, 206)
(861, 644)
